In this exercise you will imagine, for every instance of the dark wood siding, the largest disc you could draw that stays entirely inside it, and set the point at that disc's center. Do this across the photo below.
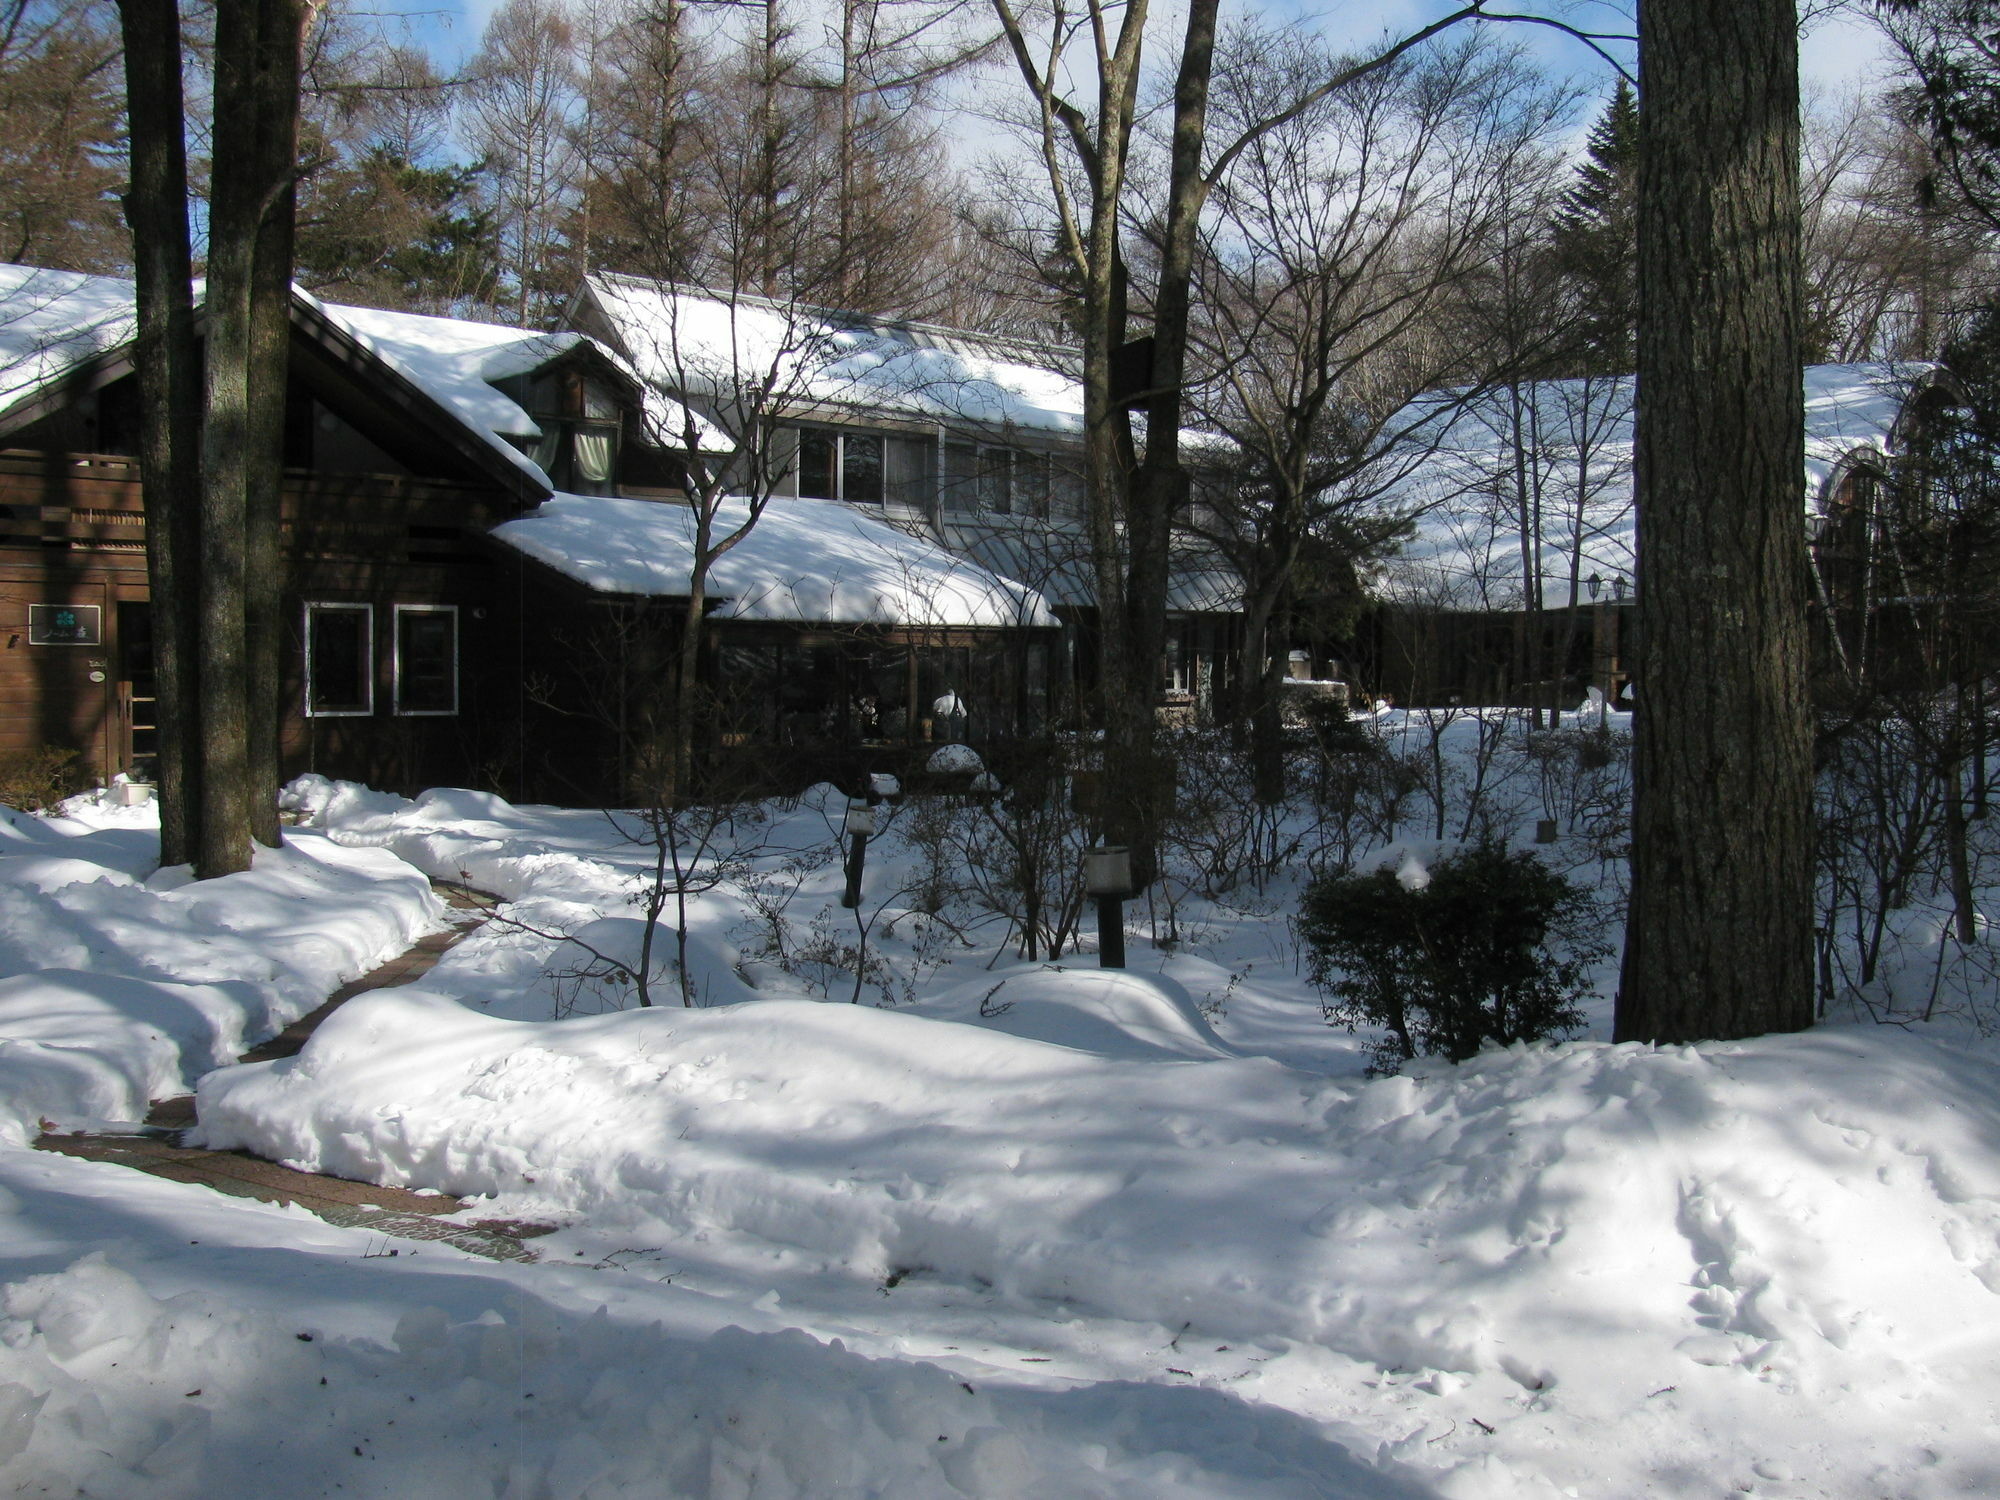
(73, 533)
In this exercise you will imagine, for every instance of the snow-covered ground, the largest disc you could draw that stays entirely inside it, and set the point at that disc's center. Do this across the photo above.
(1021, 1229)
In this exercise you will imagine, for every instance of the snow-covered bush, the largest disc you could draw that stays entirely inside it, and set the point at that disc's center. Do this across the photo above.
(1486, 946)
(954, 760)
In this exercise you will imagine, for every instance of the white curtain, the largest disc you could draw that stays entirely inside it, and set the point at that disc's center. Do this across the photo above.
(593, 453)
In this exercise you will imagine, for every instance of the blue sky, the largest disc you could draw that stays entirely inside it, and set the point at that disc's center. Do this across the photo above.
(1838, 52)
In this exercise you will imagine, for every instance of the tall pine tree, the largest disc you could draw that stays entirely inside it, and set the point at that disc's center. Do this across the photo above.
(1595, 240)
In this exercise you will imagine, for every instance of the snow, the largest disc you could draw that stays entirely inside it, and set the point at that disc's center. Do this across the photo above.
(689, 342)
(807, 561)
(1036, 1228)
(119, 986)
(51, 321)
(954, 759)
(1579, 458)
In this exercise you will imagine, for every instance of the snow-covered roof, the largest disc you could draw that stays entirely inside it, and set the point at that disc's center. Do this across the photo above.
(705, 346)
(1576, 451)
(53, 321)
(454, 361)
(805, 561)
(1056, 560)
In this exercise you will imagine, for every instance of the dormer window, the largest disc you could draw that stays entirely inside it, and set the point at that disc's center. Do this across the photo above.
(581, 422)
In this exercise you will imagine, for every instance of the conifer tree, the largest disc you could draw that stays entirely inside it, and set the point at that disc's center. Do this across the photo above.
(1596, 243)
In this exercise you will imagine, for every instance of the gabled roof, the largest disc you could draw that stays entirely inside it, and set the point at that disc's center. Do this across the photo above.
(703, 346)
(1575, 448)
(805, 562)
(58, 326)
(52, 322)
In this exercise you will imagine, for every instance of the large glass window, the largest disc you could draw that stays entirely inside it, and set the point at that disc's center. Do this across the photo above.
(819, 464)
(910, 472)
(961, 476)
(426, 659)
(861, 467)
(865, 468)
(340, 660)
(995, 497)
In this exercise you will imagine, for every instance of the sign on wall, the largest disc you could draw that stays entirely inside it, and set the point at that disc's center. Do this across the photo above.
(65, 625)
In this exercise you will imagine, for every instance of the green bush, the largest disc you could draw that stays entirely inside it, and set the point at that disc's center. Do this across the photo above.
(1495, 947)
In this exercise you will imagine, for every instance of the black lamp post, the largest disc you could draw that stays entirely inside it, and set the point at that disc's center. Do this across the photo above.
(860, 823)
(1107, 876)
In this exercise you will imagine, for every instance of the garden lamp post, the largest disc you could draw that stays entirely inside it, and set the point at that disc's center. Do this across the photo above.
(1107, 876)
(860, 823)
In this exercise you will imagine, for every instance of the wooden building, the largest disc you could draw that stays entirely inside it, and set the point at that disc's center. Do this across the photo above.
(1518, 583)
(484, 569)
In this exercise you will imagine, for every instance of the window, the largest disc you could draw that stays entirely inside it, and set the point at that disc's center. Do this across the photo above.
(961, 467)
(426, 659)
(340, 660)
(864, 468)
(861, 467)
(993, 490)
(997, 481)
(1031, 485)
(909, 467)
(580, 421)
(819, 465)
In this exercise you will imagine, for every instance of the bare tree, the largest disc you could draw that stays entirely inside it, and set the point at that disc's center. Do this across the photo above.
(1892, 271)
(156, 206)
(524, 103)
(1086, 146)
(1341, 243)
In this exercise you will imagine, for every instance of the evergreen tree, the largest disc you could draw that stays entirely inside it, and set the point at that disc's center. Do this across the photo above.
(1947, 52)
(61, 154)
(388, 216)
(1596, 244)
(389, 232)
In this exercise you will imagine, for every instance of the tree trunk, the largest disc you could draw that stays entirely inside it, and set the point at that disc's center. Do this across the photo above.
(276, 100)
(1719, 941)
(1159, 490)
(224, 845)
(170, 409)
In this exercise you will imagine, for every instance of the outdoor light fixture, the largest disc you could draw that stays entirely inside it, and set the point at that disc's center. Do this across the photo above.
(860, 823)
(1594, 583)
(1107, 876)
(1618, 588)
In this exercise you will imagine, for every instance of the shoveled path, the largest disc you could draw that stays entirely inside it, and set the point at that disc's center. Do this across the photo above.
(393, 1212)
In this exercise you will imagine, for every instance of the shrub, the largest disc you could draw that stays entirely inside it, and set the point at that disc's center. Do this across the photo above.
(1493, 947)
(35, 780)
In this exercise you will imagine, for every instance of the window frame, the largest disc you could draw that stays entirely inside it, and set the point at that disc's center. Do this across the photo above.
(316, 607)
(396, 661)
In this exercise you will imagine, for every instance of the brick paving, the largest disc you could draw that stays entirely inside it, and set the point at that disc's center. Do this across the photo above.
(395, 1213)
